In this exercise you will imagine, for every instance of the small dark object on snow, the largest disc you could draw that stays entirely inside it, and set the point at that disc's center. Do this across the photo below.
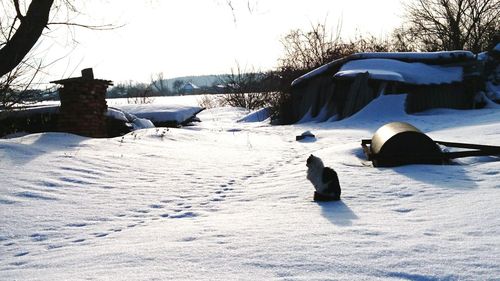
(325, 197)
(304, 135)
(324, 180)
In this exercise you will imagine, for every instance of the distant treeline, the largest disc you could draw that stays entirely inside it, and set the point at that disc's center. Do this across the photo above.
(236, 82)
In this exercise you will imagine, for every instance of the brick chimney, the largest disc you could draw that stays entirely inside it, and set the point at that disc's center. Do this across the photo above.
(83, 105)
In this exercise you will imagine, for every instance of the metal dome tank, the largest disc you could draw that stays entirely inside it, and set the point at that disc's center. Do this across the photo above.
(400, 143)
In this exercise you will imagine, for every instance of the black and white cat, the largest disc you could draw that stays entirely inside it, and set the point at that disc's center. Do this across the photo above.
(324, 179)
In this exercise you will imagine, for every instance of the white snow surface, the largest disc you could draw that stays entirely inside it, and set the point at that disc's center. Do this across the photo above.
(160, 109)
(401, 56)
(161, 112)
(224, 200)
(377, 74)
(394, 70)
(259, 115)
(135, 122)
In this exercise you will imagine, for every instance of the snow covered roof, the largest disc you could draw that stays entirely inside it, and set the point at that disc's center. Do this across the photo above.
(375, 74)
(418, 56)
(394, 70)
(189, 86)
(409, 57)
(162, 112)
(318, 71)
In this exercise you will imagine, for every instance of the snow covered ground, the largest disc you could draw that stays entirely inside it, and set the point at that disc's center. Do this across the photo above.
(228, 200)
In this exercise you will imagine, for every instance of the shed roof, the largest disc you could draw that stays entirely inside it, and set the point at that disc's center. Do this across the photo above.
(427, 57)
(416, 73)
(190, 86)
(433, 58)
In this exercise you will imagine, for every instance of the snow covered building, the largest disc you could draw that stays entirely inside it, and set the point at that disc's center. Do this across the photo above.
(342, 87)
(189, 88)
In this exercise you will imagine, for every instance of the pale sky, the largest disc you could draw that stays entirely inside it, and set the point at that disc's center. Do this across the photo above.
(197, 37)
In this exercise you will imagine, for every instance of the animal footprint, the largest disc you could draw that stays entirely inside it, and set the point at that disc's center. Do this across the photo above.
(403, 210)
(78, 224)
(37, 237)
(156, 206)
(184, 215)
(20, 254)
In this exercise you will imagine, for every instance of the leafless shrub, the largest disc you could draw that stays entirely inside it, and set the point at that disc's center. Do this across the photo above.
(209, 101)
(159, 85)
(246, 89)
(309, 49)
(249, 101)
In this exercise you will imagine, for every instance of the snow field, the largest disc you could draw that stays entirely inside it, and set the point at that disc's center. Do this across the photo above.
(229, 201)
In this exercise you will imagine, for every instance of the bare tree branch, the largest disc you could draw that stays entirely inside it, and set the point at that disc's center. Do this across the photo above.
(453, 24)
(18, 10)
(25, 37)
(87, 26)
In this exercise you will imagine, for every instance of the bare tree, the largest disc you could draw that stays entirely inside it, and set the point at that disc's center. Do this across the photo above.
(306, 50)
(451, 24)
(22, 33)
(309, 49)
(178, 85)
(22, 25)
(245, 89)
(160, 85)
